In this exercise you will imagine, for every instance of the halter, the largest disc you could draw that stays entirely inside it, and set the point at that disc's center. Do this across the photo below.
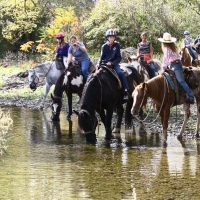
(38, 77)
(56, 109)
(165, 83)
(91, 118)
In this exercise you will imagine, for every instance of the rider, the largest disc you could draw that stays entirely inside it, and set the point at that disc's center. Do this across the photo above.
(172, 59)
(197, 42)
(78, 50)
(62, 48)
(145, 52)
(188, 42)
(111, 56)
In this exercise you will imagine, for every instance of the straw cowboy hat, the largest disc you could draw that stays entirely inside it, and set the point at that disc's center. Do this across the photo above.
(167, 38)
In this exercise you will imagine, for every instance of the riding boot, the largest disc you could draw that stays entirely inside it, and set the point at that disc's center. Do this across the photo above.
(125, 98)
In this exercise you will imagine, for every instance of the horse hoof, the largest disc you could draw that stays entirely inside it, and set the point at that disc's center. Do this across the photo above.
(116, 130)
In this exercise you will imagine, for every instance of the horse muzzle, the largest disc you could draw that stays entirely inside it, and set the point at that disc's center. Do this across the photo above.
(134, 112)
(33, 86)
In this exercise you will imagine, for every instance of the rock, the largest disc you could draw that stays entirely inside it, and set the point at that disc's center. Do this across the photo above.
(127, 52)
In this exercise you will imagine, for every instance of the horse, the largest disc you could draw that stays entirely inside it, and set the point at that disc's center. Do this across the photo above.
(164, 97)
(47, 70)
(186, 58)
(101, 92)
(133, 60)
(71, 81)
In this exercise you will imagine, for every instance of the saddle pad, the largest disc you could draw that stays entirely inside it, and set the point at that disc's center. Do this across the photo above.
(170, 80)
(126, 70)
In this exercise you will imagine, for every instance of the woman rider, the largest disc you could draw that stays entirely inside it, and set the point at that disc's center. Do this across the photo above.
(62, 48)
(78, 50)
(145, 52)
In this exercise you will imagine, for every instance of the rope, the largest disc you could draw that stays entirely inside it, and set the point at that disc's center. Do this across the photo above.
(165, 82)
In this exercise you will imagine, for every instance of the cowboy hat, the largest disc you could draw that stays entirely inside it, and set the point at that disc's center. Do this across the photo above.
(167, 38)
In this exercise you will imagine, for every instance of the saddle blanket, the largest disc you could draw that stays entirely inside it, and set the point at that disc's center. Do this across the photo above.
(170, 80)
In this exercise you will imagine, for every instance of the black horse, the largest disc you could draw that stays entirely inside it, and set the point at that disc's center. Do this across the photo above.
(102, 92)
(71, 81)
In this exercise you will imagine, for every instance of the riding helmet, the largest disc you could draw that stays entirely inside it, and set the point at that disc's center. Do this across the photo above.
(186, 32)
(60, 35)
(111, 32)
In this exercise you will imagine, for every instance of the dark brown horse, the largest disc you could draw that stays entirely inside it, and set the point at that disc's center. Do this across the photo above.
(186, 58)
(164, 97)
(71, 81)
(102, 92)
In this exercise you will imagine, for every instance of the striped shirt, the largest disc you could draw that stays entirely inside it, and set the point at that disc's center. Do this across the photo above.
(144, 48)
(169, 56)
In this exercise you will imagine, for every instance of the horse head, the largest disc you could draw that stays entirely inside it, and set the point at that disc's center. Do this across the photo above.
(56, 107)
(139, 98)
(186, 58)
(87, 124)
(33, 79)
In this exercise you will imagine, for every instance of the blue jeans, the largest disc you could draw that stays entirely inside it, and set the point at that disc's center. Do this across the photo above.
(121, 76)
(178, 70)
(152, 70)
(84, 68)
(192, 52)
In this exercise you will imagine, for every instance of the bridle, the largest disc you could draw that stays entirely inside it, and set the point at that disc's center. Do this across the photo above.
(92, 120)
(57, 112)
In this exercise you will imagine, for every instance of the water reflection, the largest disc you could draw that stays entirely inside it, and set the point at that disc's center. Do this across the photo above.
(48, 160)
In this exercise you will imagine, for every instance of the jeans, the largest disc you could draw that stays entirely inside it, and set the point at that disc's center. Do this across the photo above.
(64, 61)
(84, 68)
(192, 52)
(152, 70)
(178, 70)
(121, 76)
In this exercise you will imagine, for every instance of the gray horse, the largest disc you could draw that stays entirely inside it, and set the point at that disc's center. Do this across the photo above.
(46, 70)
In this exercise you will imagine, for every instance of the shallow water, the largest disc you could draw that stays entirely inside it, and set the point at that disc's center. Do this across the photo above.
(52, 161)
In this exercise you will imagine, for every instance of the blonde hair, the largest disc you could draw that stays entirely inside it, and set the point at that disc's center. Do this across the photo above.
(172, 46)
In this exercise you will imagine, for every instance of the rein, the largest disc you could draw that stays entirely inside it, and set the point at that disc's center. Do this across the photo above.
(44, 75)
(165, 83)
(91, 118)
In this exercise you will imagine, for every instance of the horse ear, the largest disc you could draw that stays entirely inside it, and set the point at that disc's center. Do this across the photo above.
(134, 83)
(129, 58)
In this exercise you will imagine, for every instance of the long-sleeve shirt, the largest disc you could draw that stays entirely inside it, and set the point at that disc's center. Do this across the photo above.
(169, 56)
(110, 53)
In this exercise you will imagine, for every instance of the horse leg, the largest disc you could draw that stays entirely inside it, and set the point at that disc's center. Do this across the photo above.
(164, 114)
(198, 117)
(186, 108)
(69, 96)
(120, 111)
(47, 88)
(108, 119)
(128, 115)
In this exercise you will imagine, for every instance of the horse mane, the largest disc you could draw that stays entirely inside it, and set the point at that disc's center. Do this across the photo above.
(91, 93)
(58, 90)
(155, 83)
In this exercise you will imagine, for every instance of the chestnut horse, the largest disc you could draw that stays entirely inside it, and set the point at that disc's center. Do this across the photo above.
(186, 58)
(164, 97)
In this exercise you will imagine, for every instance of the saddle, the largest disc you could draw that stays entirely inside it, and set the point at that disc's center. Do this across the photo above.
(113, 72)
(59, 64)
(190, 79)
(77, 65)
